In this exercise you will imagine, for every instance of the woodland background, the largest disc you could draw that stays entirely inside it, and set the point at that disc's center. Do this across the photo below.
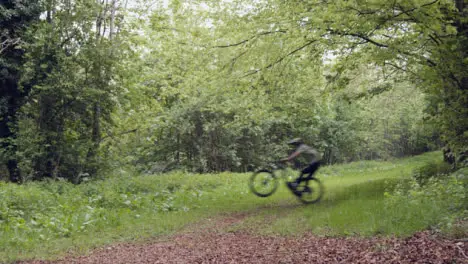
(91, 86)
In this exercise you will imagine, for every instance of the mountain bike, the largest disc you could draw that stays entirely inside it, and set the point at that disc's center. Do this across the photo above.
(264, 183)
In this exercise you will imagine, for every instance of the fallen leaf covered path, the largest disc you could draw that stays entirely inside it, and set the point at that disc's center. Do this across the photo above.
(210, 244)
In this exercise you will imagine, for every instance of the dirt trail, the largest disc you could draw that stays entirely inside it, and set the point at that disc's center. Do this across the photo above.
(208, 243)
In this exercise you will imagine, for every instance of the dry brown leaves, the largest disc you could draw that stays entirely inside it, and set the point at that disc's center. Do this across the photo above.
(209, 245)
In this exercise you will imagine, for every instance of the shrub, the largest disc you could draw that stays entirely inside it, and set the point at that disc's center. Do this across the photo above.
(432, 170)
(440, 203)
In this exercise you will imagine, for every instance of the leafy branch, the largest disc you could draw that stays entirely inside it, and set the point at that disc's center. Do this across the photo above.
(249, 39)
(7, 43)
(281, 58)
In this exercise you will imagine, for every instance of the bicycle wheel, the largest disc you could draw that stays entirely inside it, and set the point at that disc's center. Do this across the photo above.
(263, 183)
(310, 191)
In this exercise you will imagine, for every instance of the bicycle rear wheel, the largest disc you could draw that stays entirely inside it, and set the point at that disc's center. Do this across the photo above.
(310, 191)
(263, 183)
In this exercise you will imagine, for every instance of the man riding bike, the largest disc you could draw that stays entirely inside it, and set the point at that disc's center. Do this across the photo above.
(311, 155)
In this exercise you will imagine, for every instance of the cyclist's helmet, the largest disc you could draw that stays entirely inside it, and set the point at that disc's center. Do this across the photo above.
(295, 142)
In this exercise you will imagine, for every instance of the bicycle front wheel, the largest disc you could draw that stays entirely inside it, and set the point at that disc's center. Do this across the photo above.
(263, 183)
(310, 191)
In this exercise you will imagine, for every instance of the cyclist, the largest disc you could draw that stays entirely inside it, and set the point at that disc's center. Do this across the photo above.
(312, 156)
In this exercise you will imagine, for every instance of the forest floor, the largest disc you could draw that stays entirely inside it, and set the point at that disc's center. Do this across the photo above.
(226, 240)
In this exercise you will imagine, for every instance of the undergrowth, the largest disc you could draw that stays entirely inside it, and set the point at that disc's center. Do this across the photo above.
(47, 219)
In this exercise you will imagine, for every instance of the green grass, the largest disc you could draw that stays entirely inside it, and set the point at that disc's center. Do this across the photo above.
(49, 219)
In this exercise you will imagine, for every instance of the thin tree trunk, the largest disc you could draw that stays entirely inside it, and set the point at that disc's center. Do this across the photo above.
(7, 123)
(112, 20)
(178, 149)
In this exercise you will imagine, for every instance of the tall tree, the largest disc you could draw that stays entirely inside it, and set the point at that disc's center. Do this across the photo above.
(73, 74)
(15, 19)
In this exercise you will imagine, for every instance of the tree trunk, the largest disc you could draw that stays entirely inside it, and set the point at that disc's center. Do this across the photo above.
(7, 125)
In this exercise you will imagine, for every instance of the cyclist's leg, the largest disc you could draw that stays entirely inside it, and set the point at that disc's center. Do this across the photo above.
(313, 167)
(301, 177)
(309, 171)
(293, 184)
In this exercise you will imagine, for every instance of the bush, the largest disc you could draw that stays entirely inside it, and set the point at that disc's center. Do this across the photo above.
(440, 204)
(432, 170)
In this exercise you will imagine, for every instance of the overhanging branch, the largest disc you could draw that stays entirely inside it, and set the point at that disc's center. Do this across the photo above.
(249, 39)
(367, 39)
(281, 58)
(110, 135)
(357, 35)
(7, 43)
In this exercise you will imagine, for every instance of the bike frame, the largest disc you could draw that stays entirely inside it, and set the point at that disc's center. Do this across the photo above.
(281, 171)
